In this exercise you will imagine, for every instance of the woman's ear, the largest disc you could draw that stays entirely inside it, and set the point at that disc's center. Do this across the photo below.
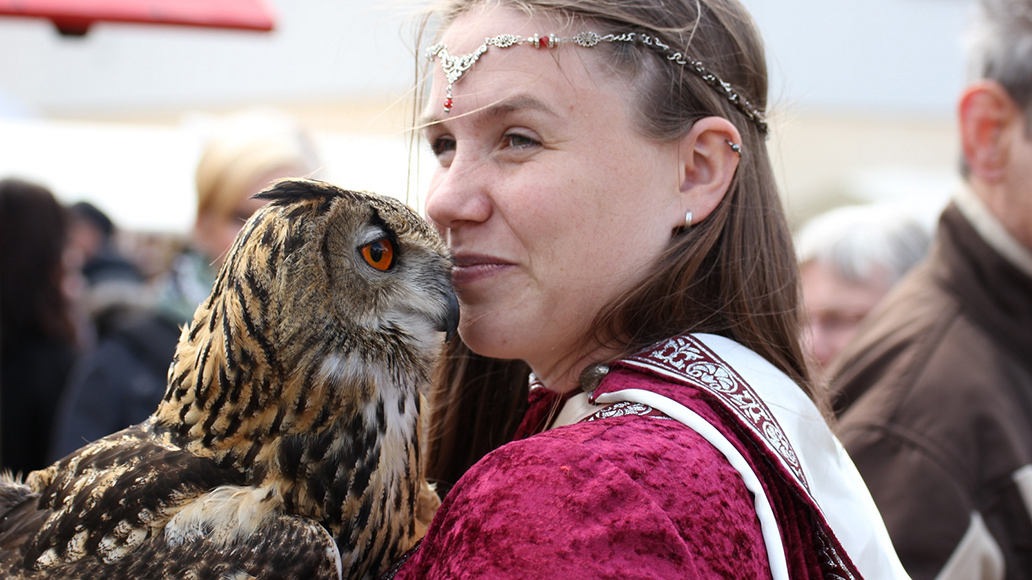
(709, 156)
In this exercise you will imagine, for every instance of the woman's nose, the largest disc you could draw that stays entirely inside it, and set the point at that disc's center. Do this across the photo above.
(459, 194)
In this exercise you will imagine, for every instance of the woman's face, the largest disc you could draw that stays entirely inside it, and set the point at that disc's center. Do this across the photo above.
(551, 201)
(215, 232)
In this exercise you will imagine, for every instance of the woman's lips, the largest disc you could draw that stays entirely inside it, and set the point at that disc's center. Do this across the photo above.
(468, 268)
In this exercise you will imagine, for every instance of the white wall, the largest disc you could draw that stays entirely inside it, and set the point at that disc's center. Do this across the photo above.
(873, 56)
(142, 176)
(320, 48)
(880, 55)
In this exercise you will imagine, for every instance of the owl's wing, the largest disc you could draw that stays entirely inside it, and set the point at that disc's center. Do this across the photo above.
(242, 532)
(19, 522)
(132, 506)
(283, 547)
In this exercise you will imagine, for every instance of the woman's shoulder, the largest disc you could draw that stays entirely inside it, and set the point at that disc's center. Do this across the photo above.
(628, 497)
(641, 446)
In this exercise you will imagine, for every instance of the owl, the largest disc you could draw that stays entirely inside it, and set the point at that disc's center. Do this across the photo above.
(288, 441)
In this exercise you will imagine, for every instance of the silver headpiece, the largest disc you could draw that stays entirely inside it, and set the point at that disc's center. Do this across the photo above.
(456, 66)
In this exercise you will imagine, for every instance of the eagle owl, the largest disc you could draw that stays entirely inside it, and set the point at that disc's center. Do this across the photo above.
(287, 444)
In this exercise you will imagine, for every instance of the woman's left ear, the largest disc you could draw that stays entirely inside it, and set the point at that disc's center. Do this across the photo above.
(709, 154)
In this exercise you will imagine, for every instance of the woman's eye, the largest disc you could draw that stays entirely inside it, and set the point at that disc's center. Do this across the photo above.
(517, 141)
(379, 254)
(442, 145)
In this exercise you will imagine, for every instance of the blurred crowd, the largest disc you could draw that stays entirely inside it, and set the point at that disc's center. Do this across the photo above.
(90, 315)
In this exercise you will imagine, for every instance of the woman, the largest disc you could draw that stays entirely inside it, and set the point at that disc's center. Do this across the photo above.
(37, 332)
(604, 188)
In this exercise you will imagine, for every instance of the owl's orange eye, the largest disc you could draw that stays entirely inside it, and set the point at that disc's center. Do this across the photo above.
(379, 254)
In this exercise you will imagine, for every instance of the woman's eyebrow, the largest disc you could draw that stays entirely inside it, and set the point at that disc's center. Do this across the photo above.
(516, 103)
(499, 109)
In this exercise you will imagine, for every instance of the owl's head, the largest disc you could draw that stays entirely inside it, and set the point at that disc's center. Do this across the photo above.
(326, 298)
(366, 263)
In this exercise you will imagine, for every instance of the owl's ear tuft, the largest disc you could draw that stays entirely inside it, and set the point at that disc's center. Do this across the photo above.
(290, 190)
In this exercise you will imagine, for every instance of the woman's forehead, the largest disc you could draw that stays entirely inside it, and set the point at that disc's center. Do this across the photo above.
(469, 29)
(493, 71)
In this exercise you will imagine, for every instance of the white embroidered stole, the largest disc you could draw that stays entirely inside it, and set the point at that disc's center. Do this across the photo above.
(779, 415)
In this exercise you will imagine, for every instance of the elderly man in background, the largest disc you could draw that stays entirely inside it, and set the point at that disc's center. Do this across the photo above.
(935, 393)
(850, 257)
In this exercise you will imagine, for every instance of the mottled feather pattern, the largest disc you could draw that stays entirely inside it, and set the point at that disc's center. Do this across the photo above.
(288, 442)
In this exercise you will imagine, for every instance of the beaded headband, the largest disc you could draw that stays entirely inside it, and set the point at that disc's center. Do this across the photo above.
(456, 66)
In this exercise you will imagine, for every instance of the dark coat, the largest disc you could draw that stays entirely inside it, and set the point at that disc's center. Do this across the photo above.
(33, 372)
(116, 385)
(935, 399)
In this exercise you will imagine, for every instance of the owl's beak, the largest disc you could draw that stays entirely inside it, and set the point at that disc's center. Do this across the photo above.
(449, 324)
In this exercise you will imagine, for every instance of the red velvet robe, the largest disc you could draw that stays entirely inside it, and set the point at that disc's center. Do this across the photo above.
(628, 496)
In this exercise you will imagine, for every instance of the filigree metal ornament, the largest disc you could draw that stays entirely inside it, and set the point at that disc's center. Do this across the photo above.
(456, 66)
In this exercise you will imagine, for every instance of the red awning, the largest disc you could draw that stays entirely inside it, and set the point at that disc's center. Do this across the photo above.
(75, 16)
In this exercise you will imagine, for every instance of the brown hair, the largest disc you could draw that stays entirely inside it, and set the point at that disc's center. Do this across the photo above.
(733, 274)
(33, 231)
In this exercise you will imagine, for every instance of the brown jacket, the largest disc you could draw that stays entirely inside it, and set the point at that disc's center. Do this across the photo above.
(935, 404)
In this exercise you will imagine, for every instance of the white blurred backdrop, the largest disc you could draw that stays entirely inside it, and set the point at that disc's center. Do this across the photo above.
(862, 97)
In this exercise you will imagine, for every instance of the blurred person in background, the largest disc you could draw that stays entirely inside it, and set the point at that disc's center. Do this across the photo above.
(37, 332)
(850, 257)
(122, 380)
(935, 392)
(114, 287)
(93, 233)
